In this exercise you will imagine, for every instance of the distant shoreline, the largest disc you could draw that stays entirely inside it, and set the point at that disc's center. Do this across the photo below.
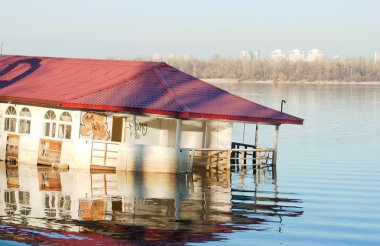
(235, 81)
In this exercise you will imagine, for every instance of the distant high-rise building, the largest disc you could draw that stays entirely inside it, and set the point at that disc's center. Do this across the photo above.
(246, 55)
(256, 55)
(314, 55)
(278, 55)
(336, 58)
(172, 56)
(296, 55)
(157, 57)
(188, 57)
(377, 57)
(249, 55)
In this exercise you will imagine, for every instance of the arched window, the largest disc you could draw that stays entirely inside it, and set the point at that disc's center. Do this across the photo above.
(50, 124)
(24, 121)
(10, 119)
(64, 129)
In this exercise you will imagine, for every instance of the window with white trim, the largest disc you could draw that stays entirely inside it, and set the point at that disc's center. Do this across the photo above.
(24, 121)
(10, 120)
(64, 128)
(50, 124)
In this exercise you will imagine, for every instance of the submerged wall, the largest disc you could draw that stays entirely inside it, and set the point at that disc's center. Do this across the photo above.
(105, 138)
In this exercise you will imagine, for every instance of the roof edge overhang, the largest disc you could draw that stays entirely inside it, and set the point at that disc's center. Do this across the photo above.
(181, 115)
(34, 102)
(174, 114)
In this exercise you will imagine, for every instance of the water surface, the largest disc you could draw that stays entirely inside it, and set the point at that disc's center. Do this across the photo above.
(325, 191)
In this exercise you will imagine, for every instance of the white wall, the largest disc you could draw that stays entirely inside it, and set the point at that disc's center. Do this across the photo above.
(155, 140)
(29, 143)
(159, 131)
(192, 134)
(218, 134)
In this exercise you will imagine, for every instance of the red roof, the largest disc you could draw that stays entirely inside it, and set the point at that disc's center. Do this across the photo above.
(131, 86)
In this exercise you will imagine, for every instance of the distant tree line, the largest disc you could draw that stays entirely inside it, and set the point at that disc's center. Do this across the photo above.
(355, 69)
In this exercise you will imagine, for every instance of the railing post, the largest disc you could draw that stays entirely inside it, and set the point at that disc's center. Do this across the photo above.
(275, 145)
(245, 155)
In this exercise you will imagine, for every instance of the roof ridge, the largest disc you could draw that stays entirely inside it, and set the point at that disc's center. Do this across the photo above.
(170, 91)
(114, 84)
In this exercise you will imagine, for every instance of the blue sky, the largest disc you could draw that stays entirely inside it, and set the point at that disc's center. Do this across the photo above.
(126, 29)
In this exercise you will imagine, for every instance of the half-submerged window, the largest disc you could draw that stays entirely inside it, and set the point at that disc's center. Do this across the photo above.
(50, 124)
(64, 129)
(10, 119)
(24, 121)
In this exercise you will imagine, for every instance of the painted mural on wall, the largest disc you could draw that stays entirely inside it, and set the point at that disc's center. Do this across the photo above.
(13, 181)
(92, 210)
(94, 126)
(49, 179)
(49, 151)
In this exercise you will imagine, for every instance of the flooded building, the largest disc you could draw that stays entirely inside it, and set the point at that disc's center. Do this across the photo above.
(128, 115)
(156, 207)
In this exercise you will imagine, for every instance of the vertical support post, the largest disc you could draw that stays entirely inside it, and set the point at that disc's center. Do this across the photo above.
(133, 137)
(178, 134)
(256, 135)
(192, 160)
(177, 205)
(275, 145)
(105, 153)
(204, 137)
(123, 125)
(243, 132)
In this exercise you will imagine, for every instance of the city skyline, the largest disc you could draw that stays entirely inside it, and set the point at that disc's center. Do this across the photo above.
(127, 29)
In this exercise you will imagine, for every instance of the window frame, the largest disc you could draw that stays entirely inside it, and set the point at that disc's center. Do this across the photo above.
(52, 124)
(8, 118)
(65, 124)
(25, 119)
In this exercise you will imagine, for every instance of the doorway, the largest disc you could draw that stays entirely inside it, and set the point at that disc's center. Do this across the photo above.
(118, 129)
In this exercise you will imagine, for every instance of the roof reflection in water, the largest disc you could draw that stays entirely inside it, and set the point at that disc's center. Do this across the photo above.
(157, 208)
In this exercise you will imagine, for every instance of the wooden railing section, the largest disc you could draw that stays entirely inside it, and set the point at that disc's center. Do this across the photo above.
(245, 155)
(104, 153)
(239, 157)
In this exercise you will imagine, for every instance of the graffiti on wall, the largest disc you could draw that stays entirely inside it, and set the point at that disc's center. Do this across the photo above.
(94, 126)
(140, 129)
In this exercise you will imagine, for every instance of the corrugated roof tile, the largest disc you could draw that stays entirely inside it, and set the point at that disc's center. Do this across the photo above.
(133, 86)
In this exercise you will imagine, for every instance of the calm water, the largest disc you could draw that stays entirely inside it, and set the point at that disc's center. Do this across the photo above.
(326, 191)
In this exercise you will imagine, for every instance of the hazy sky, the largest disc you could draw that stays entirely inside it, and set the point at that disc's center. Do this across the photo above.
(125, 29)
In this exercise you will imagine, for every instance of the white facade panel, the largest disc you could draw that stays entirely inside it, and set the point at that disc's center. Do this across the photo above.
(148, 144)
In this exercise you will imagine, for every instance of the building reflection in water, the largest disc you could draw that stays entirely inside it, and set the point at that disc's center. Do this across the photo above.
(165, 207)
